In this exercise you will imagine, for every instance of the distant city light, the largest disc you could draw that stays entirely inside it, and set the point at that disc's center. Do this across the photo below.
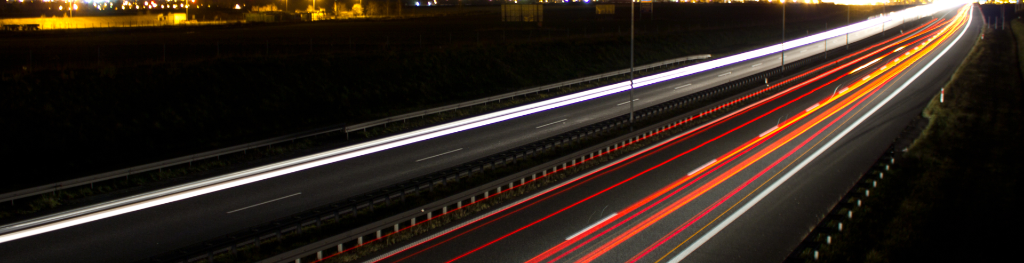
(238, 6)
(417, 3)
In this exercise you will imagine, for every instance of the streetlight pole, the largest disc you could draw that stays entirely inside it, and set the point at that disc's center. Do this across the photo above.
(883, 23)
(632, 13)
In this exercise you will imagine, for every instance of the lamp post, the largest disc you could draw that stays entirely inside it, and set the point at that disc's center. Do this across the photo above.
(632, 13)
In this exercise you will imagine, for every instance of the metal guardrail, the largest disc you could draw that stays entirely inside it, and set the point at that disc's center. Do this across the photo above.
(49, 188)
(417, 114)
(379, 230)
(396, 193)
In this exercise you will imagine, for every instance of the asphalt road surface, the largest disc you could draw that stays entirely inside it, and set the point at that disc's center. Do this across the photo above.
(138, 235)
(763, 194)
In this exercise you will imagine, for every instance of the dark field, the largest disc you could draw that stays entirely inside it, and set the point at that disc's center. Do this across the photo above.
(81, 102)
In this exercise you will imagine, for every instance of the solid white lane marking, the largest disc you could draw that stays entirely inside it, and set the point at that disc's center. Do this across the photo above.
(725, 74)
(703, 239)
(251, 206)
(755, 65)
(591, 226)
(459, 149)
(768, 131)
(812, 107)
(168, 195)
(620, 104)
(702, 167)
(683, 86)
(556, 122)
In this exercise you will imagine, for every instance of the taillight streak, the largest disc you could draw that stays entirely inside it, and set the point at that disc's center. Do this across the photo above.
(715, 123)
(877, 84)
(564, 244)
(636, 229)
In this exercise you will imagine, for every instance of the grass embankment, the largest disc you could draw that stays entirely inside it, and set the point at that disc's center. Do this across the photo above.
(955, 196)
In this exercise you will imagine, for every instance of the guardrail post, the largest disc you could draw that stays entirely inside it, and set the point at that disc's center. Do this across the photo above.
(378, 233)
(319, 255)
(359, 241)
(341, 247)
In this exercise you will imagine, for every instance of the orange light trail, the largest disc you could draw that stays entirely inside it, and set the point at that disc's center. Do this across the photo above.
(681, 139)
(876, 84)
(889, 74)
(565, 244)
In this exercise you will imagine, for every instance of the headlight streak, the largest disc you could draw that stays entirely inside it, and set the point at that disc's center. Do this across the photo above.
(713, 122)
(876, 45)
(673, 141)
(670, 142)
(657, 148)
(173, 194)
(564, 244)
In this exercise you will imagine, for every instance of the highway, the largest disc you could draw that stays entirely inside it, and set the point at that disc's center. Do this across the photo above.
(747, 189)
(133, 236)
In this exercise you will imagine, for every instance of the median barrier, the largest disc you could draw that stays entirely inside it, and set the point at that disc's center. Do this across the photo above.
(489, 190)
(126, 172)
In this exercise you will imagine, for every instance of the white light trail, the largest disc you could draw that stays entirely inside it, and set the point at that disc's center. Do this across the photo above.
(176, 193)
